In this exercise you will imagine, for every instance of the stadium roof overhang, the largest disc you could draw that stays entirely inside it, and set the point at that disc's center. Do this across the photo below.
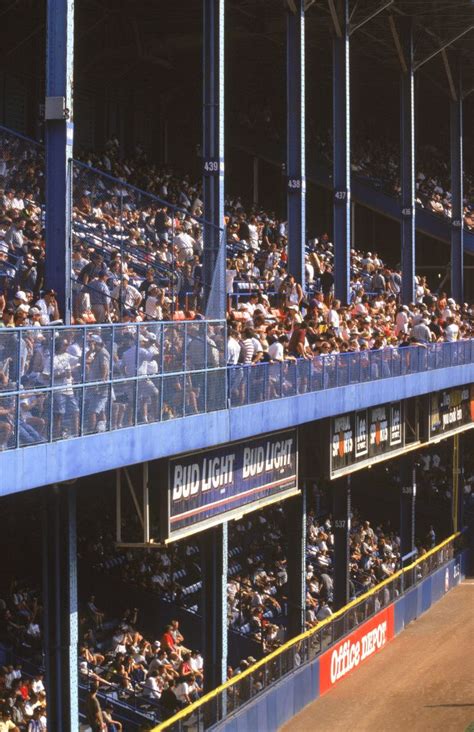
(129, 36)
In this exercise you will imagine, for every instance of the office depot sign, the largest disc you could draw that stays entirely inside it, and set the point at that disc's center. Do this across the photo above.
(355, 648)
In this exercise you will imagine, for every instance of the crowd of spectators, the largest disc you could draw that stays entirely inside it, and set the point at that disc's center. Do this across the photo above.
(374, 555)
(159, 676)
(374, 159)
(22, 695)
(257, 589)
(379, 164)
(121, 658)
(136, 259)
(302, 328)
(146, 352)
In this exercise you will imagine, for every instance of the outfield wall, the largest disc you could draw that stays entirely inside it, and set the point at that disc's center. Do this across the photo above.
(271, 709)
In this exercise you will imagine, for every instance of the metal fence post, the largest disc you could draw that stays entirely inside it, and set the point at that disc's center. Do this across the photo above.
(51, 405)
(185, 370)
(18, 398)
(206, 373)
(135, 385)
(111, 377)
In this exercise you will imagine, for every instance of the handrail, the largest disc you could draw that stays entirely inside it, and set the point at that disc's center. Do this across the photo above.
(142, 192)
(302, 636)
(230, 386)
(14, 133)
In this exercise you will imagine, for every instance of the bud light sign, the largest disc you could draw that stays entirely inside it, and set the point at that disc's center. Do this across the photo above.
(211, 486)
(355, 648)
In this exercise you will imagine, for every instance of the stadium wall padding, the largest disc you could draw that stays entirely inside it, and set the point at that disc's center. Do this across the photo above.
(276, 706)
(270, 709)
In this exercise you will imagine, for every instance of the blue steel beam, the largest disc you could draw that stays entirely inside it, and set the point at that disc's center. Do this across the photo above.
(214, 568)
(213, 157)
(457, 228)
(341, 492)
(39, 465)
(407, 504)
(59, 135)
(427, 222)
(296, 522)
(61, 610)
(295, 145)
(407, 165)
(341, 156)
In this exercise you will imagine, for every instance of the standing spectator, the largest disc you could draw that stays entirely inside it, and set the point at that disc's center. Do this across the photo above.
(451, 331)
(27, 273)
(125, 295)
(49, 307)
(327, 283)
(96, 615)
(99, 294)
(293, 292)
(111, 724)
(93, 709)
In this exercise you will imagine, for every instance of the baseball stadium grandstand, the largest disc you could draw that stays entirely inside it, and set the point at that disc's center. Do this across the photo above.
(236, 363)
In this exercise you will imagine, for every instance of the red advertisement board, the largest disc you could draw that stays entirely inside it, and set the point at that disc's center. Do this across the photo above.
(354, 649)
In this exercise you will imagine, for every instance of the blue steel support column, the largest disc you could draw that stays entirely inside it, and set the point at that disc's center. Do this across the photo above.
(214, 562)
(457, 491)
(59, 129)
(407, 505)
(342, 526)
(213, 158)
(295, 144)
(295, 509)
(60, 606)
(341, 155)
(457, 229)
(407, 166)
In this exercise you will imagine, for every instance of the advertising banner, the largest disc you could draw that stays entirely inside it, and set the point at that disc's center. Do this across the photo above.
(379, 430)
(355, 648)
(359, 438)
(342, 442)
(208, 487)
(450, 410)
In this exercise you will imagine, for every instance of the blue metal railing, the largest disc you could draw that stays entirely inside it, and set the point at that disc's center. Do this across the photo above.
(265, 381)
(64, 382)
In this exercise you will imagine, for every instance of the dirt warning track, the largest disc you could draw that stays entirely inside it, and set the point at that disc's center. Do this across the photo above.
(423, 680)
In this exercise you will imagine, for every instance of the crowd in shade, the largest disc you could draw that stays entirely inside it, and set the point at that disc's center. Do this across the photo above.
(135, 259)
(115, 658)
(257, 589)
(22, 690)
(161, 673)
(154, 669)
(373, 159)
(377, 162)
